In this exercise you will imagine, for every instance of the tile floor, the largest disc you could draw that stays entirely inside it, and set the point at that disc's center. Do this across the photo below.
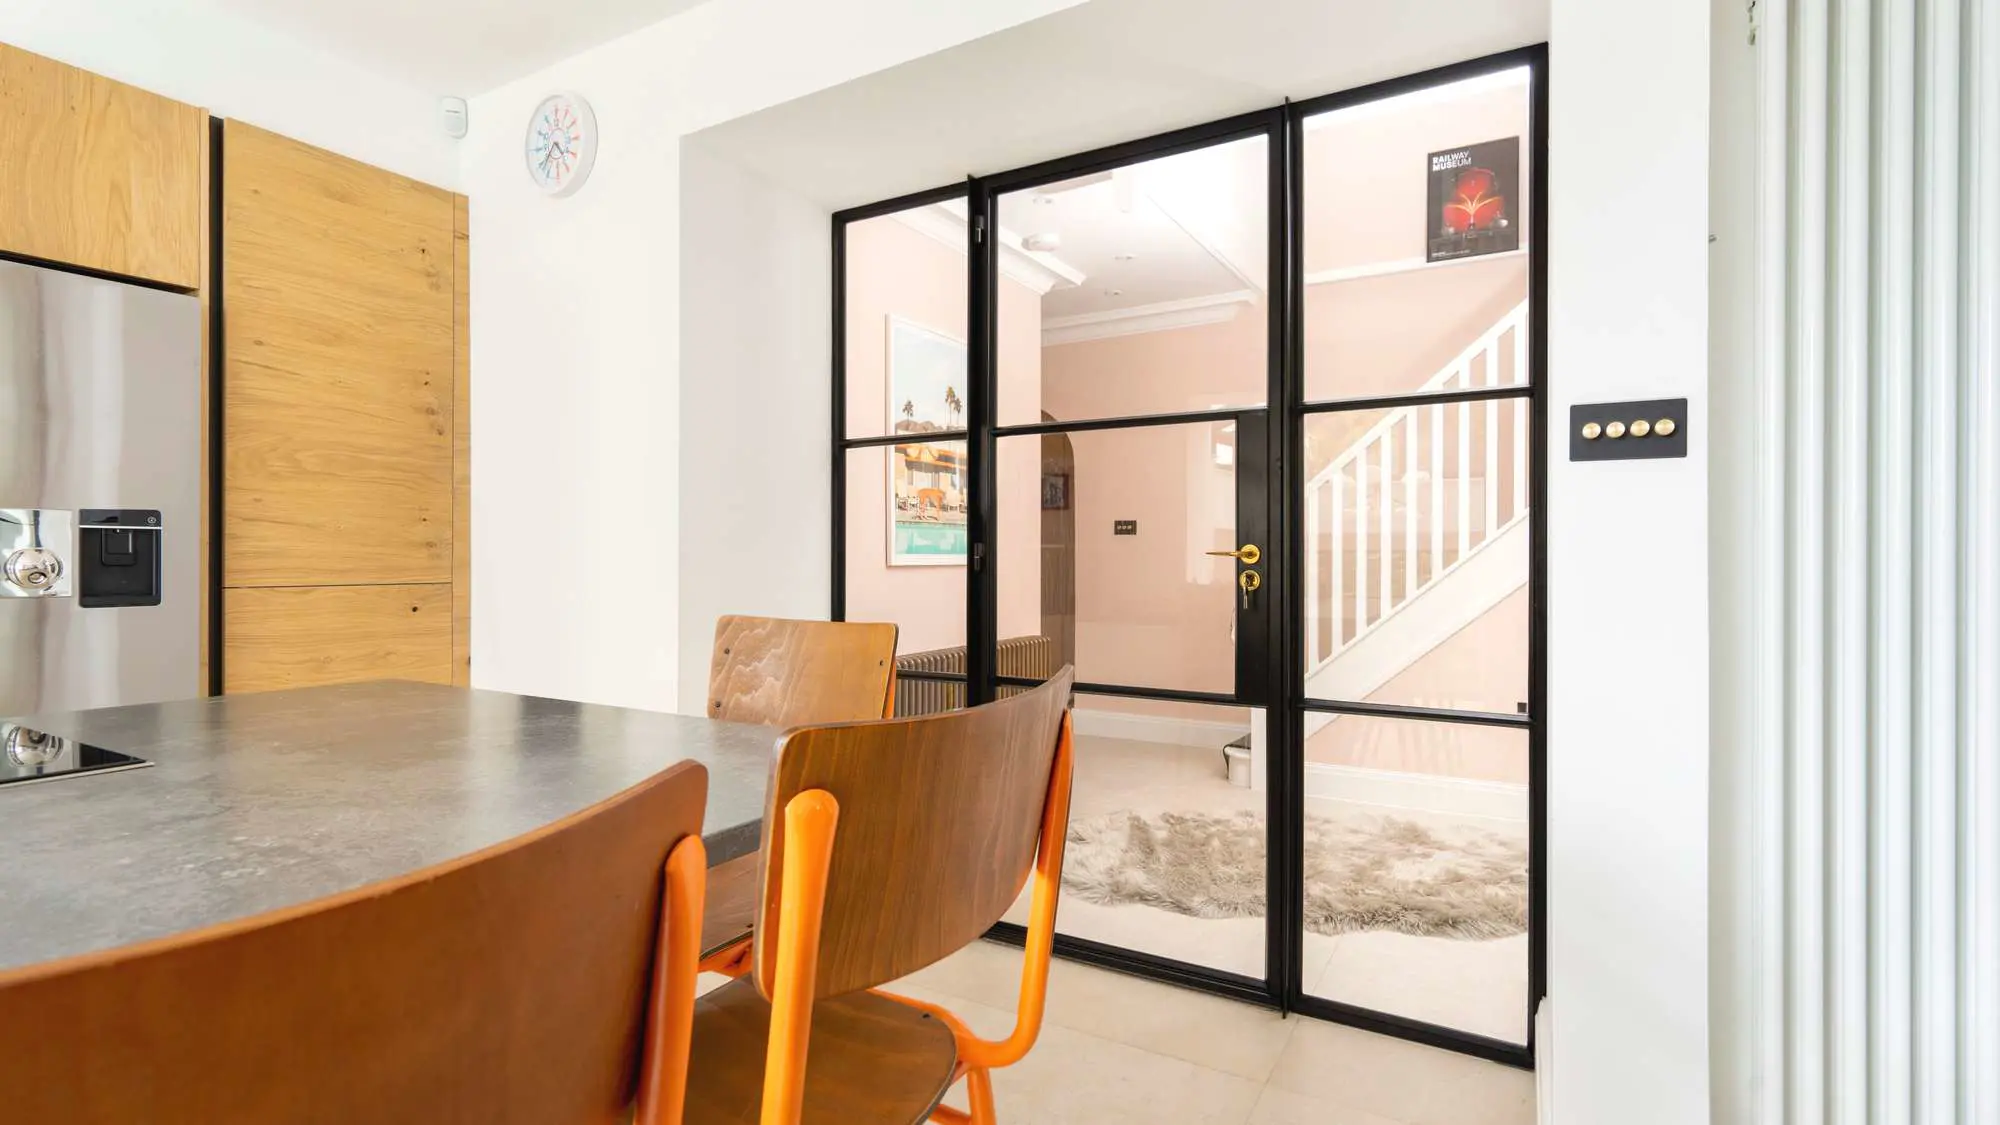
(1476, 986)
(1117, 1049)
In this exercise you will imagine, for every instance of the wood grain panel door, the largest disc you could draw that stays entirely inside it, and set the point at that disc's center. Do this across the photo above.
(338, 301)
(99, 174)
(340, 390)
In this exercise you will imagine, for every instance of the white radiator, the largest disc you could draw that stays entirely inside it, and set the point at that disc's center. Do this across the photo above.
(1857, 673)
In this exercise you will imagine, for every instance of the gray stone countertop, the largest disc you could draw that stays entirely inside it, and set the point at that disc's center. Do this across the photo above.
(255, 802)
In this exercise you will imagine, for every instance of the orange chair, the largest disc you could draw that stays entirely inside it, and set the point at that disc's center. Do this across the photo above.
(510, 986)
(785, 673)
(888, 846)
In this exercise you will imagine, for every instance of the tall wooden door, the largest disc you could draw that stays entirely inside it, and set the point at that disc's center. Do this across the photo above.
(343, 466)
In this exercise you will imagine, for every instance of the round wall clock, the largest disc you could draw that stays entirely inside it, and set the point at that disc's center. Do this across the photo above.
(561, 143)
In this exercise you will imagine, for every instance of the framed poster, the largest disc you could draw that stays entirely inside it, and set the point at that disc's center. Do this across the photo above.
(1055, 492)
(927, 478)
(1473, 201)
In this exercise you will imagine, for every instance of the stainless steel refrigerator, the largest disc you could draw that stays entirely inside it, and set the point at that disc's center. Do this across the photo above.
(100, 492)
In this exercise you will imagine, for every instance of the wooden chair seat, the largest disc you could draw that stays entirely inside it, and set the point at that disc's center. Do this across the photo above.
(731, 909)
(872, 1060)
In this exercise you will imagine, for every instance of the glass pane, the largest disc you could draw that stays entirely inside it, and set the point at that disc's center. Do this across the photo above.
(1417, 555)
(1414, 213)
(1416, 870)
(909, 567)
(906, 301)
(1136, 291)
(1110, 558)
(1166, 849)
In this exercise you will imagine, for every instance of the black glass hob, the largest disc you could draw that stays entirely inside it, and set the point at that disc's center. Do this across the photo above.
(27, 754)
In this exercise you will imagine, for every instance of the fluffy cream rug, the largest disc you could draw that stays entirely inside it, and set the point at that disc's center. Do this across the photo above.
(1367, 873)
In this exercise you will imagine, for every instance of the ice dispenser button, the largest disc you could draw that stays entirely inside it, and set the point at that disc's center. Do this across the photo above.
(119, 557)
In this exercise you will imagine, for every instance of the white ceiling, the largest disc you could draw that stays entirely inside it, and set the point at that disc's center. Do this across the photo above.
(462, 47)
(1132, 250)
(1096, 74)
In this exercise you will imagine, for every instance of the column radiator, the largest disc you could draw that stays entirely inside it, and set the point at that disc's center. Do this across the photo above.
(1858, 672)
(921, 688)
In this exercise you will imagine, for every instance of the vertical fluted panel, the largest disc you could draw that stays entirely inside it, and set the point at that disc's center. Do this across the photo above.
(1805, 490)
(1873, 562)
(1934, 641)
(1889, 563)
(1979, 638)
(1846, 554)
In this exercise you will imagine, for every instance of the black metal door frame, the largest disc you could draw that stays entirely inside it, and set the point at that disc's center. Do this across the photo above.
(1270, 493)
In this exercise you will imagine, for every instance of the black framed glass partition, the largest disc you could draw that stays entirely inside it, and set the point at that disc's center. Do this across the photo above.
(1245, 422)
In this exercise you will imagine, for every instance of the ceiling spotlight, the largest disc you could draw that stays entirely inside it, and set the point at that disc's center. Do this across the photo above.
(1044, 242)
(1123, 257)
(1114, 292)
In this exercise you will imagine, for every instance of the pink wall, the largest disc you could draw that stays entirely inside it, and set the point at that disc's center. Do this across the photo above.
(895, 270)
(1483, 666)
(1365, 171)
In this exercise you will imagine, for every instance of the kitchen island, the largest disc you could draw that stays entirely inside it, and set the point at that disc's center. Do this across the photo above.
(255, 802)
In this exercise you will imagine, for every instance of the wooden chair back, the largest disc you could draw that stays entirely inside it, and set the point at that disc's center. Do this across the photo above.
(784, 673)
(939, 821)
(507, 986)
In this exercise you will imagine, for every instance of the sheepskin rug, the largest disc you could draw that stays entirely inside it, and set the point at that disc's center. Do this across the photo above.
(1363, 873)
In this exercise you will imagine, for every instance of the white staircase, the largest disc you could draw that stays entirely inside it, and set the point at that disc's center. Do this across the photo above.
(1420, 526)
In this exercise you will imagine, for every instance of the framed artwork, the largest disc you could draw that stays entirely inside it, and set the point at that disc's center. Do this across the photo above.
(1055, 492)
(927, 476)
(1473, 199)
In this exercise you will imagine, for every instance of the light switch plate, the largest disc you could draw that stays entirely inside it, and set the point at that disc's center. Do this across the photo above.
(1627, 447)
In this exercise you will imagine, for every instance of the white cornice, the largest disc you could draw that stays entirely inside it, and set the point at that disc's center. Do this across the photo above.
(1033, 269)
(1161, 317)
(1401, 265)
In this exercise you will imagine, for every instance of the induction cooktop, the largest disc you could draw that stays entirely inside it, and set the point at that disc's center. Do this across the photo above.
(27, 754)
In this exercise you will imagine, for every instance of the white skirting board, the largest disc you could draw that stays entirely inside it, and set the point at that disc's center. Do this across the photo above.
(1545, 1082)
(1156, 728)
(1459, 796)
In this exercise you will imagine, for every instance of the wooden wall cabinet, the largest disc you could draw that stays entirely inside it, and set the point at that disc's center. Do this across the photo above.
(345, 475)
(100, 174)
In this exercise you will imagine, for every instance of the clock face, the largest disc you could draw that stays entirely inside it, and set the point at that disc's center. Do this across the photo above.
(561, 143)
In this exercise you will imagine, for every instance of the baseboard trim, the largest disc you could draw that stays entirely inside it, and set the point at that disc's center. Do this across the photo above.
(1459, 796)
(1156, 728)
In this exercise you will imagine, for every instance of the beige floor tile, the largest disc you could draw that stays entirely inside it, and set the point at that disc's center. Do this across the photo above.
(1075, 1079)
(1404, 1082)
(1209, 1031)
(1071, 1078)
(1476, 986)
(1282, 1107)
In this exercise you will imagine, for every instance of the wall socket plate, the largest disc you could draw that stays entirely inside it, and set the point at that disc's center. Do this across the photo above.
(1637, 426)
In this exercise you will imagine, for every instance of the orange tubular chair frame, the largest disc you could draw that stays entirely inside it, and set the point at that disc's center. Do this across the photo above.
(663, 1070)
(811, 818)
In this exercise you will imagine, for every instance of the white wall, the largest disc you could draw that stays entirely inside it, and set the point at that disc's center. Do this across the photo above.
(755, 447)
(195, 54)
(1628, 603)
(576, 336)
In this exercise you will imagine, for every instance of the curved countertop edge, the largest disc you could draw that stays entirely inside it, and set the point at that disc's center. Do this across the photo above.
(258, 802)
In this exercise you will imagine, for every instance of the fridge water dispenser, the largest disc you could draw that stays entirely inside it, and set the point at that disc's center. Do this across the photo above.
(118, 557)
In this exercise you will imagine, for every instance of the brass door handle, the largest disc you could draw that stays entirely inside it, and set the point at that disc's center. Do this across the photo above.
(1247, 554)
